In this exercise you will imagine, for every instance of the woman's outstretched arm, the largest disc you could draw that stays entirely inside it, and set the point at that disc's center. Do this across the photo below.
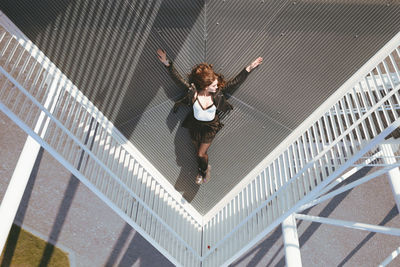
(162, 56)
(234, 83)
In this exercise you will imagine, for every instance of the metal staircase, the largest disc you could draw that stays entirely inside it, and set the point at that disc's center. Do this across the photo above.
(355, 124)
(83, 140)
(351, 123)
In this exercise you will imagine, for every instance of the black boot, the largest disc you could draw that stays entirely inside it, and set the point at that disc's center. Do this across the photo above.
(199, 178)
(202, 169)
(202, 165)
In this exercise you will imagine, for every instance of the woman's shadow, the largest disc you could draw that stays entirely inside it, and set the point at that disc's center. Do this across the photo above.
(185, 155)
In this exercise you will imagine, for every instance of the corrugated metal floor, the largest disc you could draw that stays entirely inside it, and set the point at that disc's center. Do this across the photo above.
(107, 48)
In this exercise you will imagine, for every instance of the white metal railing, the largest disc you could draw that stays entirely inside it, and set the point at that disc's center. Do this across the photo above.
(325, 147)
(86, 143)
(353, 225)
(350, 123)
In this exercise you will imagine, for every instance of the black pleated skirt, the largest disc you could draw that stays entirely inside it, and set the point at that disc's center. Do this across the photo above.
(202, 131)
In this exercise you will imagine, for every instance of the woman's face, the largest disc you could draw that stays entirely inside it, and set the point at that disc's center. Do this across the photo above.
(212, 88)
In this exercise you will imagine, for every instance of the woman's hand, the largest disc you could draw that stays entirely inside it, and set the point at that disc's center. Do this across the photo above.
(254, 64)
(162, 56)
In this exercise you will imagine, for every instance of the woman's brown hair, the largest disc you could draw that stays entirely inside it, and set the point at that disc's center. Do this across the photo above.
(203, 75)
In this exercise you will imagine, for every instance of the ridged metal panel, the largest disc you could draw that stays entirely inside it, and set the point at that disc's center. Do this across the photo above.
(310, 48)
(108, 49)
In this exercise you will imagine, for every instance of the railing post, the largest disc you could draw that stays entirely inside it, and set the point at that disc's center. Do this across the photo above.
(291, 242)
(393, 174)
(16, 188)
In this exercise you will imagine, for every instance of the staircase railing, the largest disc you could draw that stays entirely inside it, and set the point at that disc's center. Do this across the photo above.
(87, 144)
(353, 121)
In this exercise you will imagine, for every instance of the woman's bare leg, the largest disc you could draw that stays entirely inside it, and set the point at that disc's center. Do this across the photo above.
(202, 157)
(199, 176)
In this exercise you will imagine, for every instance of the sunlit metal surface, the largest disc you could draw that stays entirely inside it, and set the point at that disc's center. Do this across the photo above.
(107, 48)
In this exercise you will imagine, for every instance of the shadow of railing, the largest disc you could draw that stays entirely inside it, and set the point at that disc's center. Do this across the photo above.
(268, 243)
(66, 203)
(392, 213)
(137, 249)
(117, 249)
(261, 250)
(108, 50)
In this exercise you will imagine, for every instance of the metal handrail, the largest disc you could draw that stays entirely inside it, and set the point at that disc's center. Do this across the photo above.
(90, 107)
(92, 156)
(359, 76)
(308, 166)
(294, 178)
(296, 164)
(178, 207)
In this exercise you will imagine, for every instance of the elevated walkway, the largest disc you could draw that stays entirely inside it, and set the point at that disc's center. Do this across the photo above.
(310, 49)
(343, 133)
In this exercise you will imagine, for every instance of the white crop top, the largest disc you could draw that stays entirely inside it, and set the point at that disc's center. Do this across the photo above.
(201, 114)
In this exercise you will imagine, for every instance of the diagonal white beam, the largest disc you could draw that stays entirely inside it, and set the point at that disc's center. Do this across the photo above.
(347, 187)
(349, 224)
(350, 173)
(311, 195)
(391, 257)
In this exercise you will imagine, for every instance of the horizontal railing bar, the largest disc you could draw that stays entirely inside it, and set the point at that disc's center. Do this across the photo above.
(390, 258)
(348, 187)
(343, 134)
(353, 225)
(114, 132)
(347, 175)
(361, 73)
(363, 109)
(76, 140)
(49, 66)
(294, 177)
(304, 165)
(311, 195)
(83, 179)
(372, 165)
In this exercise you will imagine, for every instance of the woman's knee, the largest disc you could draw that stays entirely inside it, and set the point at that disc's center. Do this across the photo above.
(201, 154)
